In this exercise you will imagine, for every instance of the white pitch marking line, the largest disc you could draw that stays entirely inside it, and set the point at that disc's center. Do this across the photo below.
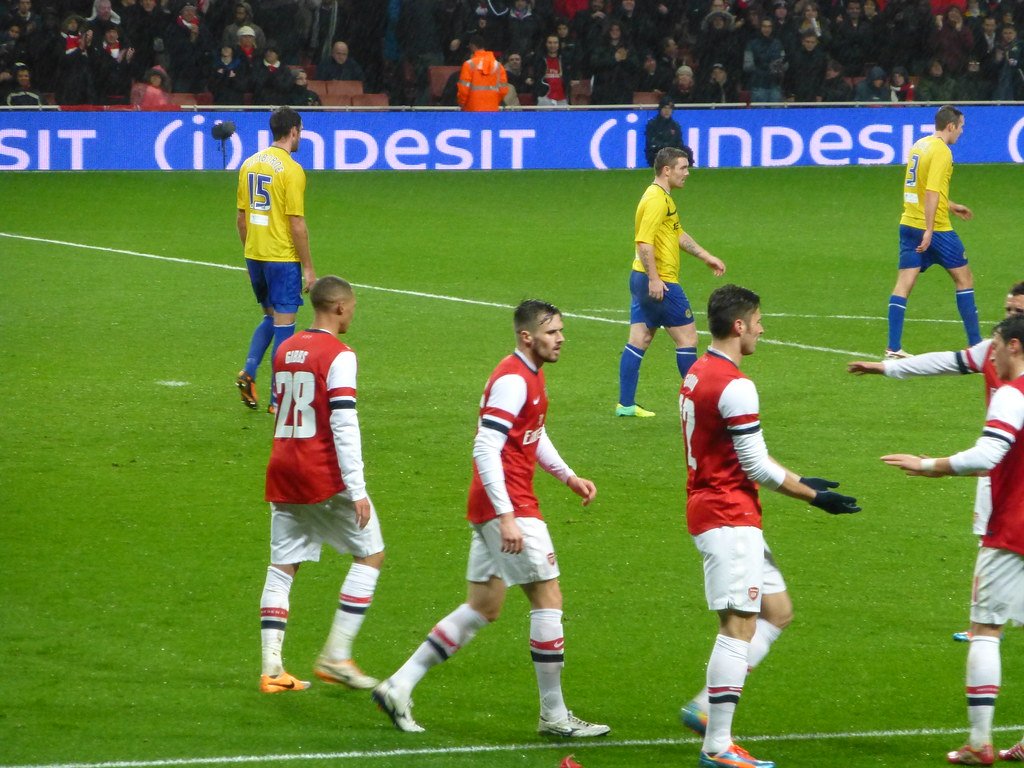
(457, 299)
(485, 748)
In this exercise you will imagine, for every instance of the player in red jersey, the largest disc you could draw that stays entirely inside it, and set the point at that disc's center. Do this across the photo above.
(975, 359)
(510, 543)
(316, 489)
(998, 594)
(726, 462)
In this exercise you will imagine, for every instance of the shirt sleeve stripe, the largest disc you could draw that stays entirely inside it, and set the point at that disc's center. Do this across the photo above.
(499, 413)
(964, 362)
(745, 430)
(341, 392)
(497, 426)
(337, 405)
(739, 421)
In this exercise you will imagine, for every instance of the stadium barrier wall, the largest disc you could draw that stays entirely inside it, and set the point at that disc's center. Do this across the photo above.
(507, 140)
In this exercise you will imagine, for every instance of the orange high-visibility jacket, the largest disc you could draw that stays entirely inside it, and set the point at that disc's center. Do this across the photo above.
(482, 83)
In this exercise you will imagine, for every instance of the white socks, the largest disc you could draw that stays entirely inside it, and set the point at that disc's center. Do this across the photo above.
(547, 643)
(274, 619)
(727, 671)
(983, 678)
(448, 635)
(353, 602)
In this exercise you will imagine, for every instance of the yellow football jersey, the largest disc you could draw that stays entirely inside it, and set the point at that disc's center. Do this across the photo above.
(271, 187)
(657, 223)
(929, 169)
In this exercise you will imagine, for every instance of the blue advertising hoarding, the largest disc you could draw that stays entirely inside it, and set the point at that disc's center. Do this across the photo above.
(508, 140)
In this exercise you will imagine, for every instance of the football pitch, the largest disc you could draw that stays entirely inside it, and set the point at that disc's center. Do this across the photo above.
(135, 537)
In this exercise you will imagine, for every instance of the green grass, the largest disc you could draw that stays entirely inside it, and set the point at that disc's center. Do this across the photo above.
(135, 536)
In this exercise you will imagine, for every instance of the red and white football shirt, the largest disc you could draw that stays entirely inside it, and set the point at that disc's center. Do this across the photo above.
(515, 404)
(317, 450)
(718, 403)
(1005, 422)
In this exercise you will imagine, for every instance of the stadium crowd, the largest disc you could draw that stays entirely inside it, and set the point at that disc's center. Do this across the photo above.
(119, 52)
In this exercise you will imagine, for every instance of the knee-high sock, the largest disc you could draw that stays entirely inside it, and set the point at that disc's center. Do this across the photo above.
(969, 315)
(983, 678)
(281, 334)
(727, 671)
(897, 312)
(629, 374)
(765, 634)
(547, 642)
(448, 635)
(685, 357)
(261, 338)
(353, 603)
(274, 619)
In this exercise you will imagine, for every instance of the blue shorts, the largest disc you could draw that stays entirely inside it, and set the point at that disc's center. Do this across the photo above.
(672, 311)
(946, 249)
(277, 284)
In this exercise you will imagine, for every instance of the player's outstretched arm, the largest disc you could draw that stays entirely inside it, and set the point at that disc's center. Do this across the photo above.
(817, 492)
(860, 367)
(919, 466)
(583, 488)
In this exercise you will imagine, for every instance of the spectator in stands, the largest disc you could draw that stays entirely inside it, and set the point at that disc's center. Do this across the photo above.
(1008, 64)
(482, 82)
(243, 20)
(669, 58)
(651, 79)
(834, 87)
(616, 68)
(419, 40)
(272, 81)
(852, 41)
(155, 94)
(144, 24)
(26, 19)
(453, 20)
(972, 85)
(247, 50)
(810, 19)
(806, 74)
(718, 43)
(588, 28)
(764, 62)
(102, 18)
(785, 27)
(328, 22)
(936, 85)
(519, 80)
(568, 47)
(75, 84)
(189, 48)
(492, 23)
(13, 49)
(637, 29)
(718, 88)
(112, 69)
(874, 87)
(662, 131)
(523, 29)
(283, 22)
(340, 66)
(684, 86)
(907, 26)
(952, 41)
(23, 94)
(46, 48)
(552, 78)
(300, 95)
(901, 86)
(985, 38)
(230, 79)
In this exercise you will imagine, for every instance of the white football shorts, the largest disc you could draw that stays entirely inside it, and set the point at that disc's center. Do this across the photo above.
(297, 531)
(998, 594)
(537, 561)
(982, 506)
(738, 568)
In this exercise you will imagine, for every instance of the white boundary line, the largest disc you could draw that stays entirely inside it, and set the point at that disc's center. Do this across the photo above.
(492, 748)
(420, 294)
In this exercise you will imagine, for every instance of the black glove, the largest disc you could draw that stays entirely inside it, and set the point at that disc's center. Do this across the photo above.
(819, 483)
(835, 503)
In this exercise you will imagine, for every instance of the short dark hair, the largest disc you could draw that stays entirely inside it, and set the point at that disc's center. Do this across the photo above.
(282, 120)
(532, 312)
(329, 289)
(668, 156)
(1011, 328)
(946, 115)
(728, 304)
(1018, 289)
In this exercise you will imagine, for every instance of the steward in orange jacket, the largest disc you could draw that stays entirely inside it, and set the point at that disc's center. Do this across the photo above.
(482, 81)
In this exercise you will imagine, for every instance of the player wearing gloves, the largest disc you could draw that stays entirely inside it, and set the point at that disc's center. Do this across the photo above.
(998, 594)
(316, 489)
(510, 544)
(727, 460)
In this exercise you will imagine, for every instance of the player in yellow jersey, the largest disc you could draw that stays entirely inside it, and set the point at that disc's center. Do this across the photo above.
(926, 234)
(658, 298)
(272, 226)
